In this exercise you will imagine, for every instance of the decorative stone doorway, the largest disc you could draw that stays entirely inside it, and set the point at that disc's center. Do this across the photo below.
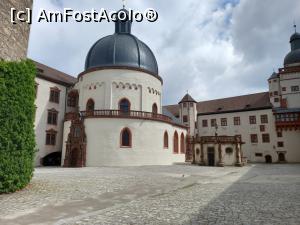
(211, 156)
(268, 159)
(281, 157)
(74, 157)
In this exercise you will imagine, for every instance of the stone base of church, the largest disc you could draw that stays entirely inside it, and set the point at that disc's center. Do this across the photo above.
(103, 142)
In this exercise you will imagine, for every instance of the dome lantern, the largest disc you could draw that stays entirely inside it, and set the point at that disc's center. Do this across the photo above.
(122, 50)
(124, 25)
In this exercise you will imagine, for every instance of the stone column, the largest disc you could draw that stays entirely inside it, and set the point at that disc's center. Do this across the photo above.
(221, 163)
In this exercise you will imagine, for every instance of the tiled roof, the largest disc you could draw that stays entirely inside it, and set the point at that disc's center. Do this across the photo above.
(232, 104)
(53, 75)
(187, 98)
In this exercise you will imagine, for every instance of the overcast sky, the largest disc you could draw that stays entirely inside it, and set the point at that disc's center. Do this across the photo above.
(212, 48)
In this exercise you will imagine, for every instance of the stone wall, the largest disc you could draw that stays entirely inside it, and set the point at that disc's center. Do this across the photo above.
(13, 37)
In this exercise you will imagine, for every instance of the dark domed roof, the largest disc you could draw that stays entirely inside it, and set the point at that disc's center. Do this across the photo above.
(122, 49)
(295, 36)
(294, 55)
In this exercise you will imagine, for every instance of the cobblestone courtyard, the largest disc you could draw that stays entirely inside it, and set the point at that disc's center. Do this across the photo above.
(181, 194)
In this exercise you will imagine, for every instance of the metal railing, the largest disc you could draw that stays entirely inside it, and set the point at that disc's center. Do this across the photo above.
(118, 114)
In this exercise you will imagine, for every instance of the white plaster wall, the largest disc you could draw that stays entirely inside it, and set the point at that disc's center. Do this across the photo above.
(287, 81)
(191, 112)
(291, 140)
(108, 87)
(43, 105)
(245, 129)
(103, 142)
(274, 85)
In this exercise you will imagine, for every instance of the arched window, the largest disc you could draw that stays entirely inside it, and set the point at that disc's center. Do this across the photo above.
(175, 142)
(90, 105)
(124, 105)
(126, 141)
(154, 108)
(182, 144)
(166, 140)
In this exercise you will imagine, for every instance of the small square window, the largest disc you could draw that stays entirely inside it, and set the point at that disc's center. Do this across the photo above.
(237, 121)
(265, 138)
(204, 123)
(54, 95)
(279, 134)
(223, 122)
(185, 119)
(254, 138)
(213, 122)
(252, 119)
(280, 144)
(295, 88)
(262, 128)
(264, 118)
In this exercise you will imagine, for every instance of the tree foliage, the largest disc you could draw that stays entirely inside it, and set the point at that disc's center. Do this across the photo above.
(17, 139)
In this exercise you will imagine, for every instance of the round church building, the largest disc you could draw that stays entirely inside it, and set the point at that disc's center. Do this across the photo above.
(116, 118)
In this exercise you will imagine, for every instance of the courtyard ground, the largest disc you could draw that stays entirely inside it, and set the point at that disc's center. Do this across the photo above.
(179, 194)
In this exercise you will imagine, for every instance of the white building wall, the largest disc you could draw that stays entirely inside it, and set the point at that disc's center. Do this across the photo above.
(291, 144)
(287, 81)
(42, 106)
(103, 142)
(274, 87)
(191, 112)
(141, 89)
(245, 130)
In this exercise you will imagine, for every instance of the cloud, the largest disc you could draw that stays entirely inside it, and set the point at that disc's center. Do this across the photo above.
(213, 48)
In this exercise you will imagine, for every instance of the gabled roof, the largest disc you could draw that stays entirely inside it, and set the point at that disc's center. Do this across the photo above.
(226, 105)
(53, 75)
(274, 76)
(187, 98)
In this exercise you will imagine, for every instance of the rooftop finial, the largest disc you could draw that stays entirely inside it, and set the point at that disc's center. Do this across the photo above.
(295, 26)
(124, 3)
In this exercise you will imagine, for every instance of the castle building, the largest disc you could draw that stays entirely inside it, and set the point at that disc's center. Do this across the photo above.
(261, 127)
(112, 114)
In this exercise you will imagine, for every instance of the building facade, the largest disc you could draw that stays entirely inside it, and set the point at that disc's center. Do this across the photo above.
(261, 127)
(112, 114)
(51, 103)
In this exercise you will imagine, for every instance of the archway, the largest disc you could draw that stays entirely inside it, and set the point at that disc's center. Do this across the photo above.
(52, 159)
(182, 144)
(154, 108)
(281, 157)
(126, 138)
(166, 140)
(74, 157)
(90, 105)
(124, 105)
(175, 142)
(268, 159)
